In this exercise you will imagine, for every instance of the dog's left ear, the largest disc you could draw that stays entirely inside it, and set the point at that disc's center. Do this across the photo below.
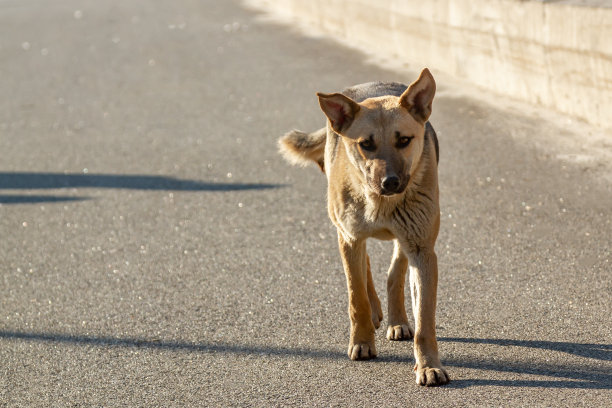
(418, 97)
(339, 109)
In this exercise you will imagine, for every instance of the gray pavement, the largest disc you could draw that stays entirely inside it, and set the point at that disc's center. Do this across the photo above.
(156, 251)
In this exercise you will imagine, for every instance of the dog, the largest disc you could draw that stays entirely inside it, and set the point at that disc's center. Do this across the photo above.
(380, 155)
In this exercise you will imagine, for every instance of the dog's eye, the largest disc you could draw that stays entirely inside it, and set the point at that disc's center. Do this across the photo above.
(403, 141)
(367, 144)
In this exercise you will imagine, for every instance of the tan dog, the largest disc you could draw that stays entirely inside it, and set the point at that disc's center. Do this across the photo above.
(380, 156)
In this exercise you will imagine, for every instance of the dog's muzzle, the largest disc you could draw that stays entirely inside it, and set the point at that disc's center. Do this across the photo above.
(391, 185)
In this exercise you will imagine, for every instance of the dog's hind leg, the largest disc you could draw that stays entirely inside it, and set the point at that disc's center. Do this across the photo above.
(377, 314)
(398, 328)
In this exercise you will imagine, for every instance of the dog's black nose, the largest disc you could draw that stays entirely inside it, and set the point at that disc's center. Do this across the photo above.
(390, 183)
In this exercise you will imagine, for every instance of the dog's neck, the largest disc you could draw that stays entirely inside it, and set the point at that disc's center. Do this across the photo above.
(380, 207)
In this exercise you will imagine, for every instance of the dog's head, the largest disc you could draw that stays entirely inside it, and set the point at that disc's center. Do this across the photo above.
(384, 136)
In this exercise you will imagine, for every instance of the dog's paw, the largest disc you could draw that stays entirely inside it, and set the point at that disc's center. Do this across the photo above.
(431, 376)
(399, 332)
(362, 351)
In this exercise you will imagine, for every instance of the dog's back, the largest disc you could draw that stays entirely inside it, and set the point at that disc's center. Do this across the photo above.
(361, 92)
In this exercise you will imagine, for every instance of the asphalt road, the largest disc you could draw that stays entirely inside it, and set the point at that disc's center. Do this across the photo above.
(156, 251)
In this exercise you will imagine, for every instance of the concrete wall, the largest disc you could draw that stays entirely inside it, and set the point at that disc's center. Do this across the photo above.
(557, 54)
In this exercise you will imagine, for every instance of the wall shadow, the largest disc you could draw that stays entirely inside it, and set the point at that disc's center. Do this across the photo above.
(34, 199)
(571, 376)
(35, 181)
(216, 347)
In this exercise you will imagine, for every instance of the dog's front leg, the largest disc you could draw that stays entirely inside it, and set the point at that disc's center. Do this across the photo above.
(361, 345)
(423, 287)
(399, 328)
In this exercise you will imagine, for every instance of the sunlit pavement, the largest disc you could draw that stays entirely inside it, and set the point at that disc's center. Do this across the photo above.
(156, 250)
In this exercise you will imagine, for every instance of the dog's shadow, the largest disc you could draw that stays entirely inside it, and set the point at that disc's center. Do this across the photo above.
(571, 375)
(578, 376)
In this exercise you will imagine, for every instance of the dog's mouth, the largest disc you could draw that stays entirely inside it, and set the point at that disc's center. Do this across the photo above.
(387, 193)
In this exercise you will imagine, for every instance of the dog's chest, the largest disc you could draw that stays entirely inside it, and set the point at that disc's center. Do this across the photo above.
(364, 218)
(409, 218)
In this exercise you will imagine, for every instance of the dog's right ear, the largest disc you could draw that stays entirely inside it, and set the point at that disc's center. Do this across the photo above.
(418, 97)
(339, 109)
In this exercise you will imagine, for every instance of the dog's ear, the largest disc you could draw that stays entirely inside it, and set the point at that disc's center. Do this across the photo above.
(418, 97)
(339, 109)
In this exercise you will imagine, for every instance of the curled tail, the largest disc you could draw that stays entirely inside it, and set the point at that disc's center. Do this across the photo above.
(301, 148)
